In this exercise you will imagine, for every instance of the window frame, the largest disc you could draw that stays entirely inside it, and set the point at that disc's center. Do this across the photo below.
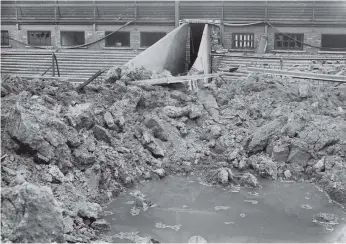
(63, 31)
(251, 41)
(146, 32)
(289, 41)
(129, 37)
(40, 44)
(4, 37)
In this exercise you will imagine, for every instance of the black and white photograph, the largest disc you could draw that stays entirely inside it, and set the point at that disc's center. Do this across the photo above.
(173, 121)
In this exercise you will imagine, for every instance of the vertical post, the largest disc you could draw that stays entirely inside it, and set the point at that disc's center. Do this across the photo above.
(222, 30)
(281, 63)
(176, 13)
(136, 10)
(266, 12)
(53, 66)
(313, 12)
(94, 8)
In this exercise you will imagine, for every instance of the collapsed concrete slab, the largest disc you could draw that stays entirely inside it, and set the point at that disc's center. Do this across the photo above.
(166, 54)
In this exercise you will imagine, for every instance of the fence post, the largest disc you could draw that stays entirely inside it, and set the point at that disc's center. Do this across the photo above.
(53, 66)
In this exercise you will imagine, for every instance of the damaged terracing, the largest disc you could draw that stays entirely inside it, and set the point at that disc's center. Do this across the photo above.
(70, 153)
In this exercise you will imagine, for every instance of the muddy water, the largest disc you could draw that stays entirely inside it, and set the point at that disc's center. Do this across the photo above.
(278, 212)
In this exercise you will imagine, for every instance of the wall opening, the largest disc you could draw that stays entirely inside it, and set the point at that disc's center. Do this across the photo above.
(5, 38)
(196, 32)
(118, 39)
(72, 38)
(39, 38)
(150, 38)
(333, 42)
(288, 41)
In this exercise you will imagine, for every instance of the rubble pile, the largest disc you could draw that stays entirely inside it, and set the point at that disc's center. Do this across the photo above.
(131, 73)
(69, 154)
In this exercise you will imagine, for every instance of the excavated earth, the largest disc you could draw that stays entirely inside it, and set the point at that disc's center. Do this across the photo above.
(70, 153)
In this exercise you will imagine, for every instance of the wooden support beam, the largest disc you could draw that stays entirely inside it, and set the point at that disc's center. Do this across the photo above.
(175, 79)
(302, 75)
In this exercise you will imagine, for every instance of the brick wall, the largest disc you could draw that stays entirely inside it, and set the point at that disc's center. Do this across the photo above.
(91, 34)
(312, 35)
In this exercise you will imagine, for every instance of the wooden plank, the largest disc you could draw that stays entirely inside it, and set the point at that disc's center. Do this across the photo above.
(177, 79)
(302, 75)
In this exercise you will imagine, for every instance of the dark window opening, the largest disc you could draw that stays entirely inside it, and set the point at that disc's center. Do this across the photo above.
(243, 41)
(196, 33)
(334, 42)
(149, 38)
(72, 38)
(39, 38)
(5, 38)
(118, 39)
(289, 41)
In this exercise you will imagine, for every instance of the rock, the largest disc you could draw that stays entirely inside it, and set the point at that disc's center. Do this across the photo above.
(319, 166)
(160, 172)
(280, 153)
(101, 224)
(298, 155)
(82, 115)
(68, 225)
(265, 167)
(222, 176)
(287, 174)
(89, 210)
(326, 217)
(31, 214)
(233, 155)
(214, 132)
(195, 111)
(176, 112)
(156, 126)
(262, 135)
(37, 129)
(242, 165)
(149, 142)
(83, 157)
(57, 175)
(109, 121)
(102, 134)
(304, 89)
(248, 179)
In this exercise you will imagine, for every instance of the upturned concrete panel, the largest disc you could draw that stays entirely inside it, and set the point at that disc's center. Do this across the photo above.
(169, 53)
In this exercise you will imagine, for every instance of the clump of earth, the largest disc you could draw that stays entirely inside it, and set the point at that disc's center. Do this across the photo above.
(68, 154)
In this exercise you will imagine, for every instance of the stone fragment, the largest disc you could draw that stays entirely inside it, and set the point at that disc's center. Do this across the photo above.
(101, 224)
(89, 210)
(280, 153)
(30, 213)
(160, 172)
(249, 179)
(102, 134)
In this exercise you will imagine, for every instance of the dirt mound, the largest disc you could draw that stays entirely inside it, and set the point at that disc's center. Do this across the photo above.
(87, 147)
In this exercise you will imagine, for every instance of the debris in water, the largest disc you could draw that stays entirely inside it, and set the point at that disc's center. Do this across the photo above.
(242, 215)
(307, 198)
(132, 236)
(253, 193)
(130, 202)
(135, 211)
(229, 223)
(164, 226)
(251, 201)
(306, 206)
(185, 206)
(329, 227)
(217, 208)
